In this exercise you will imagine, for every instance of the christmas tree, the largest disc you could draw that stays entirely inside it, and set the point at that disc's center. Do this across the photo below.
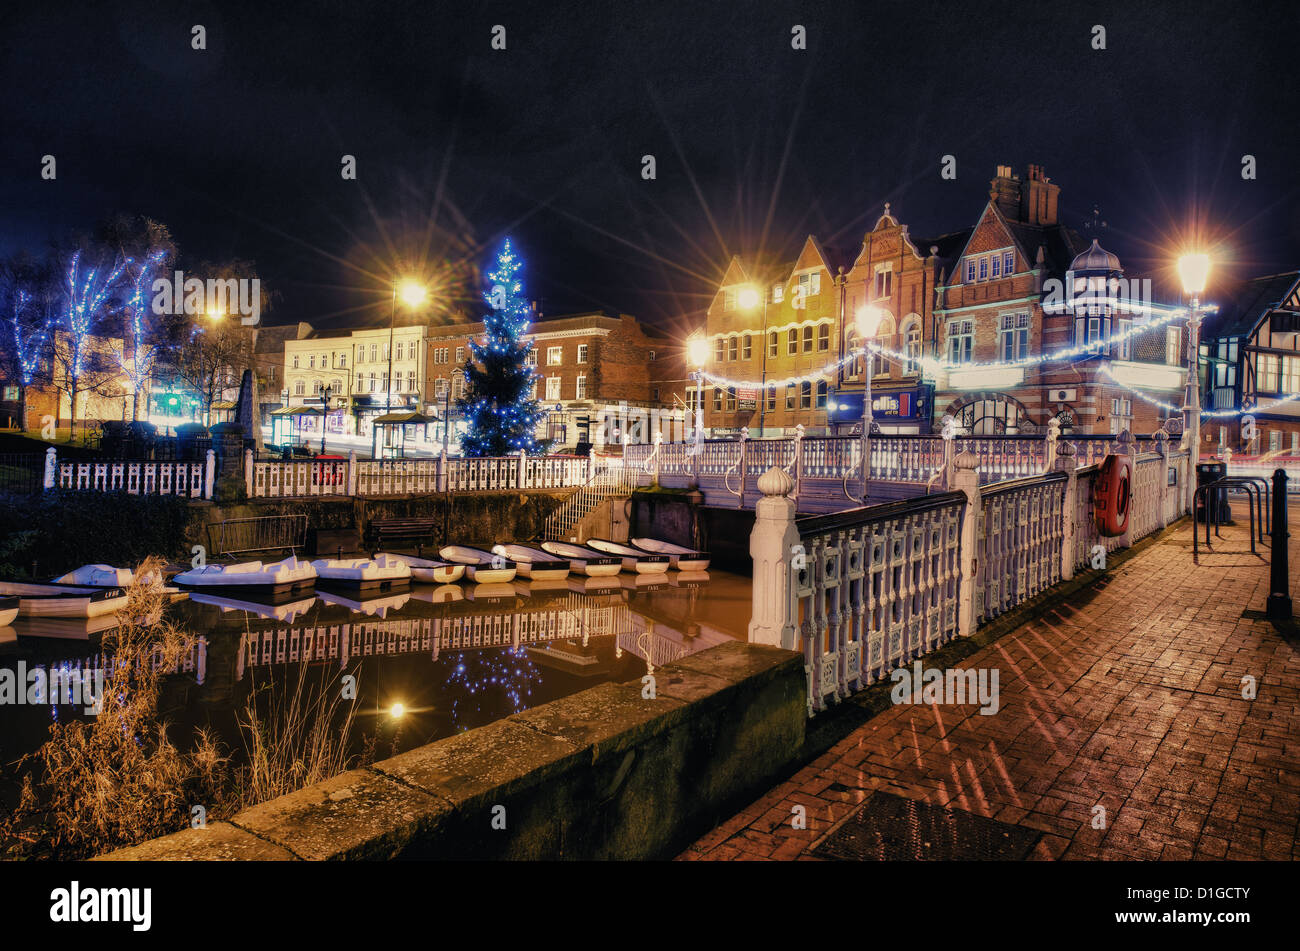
(498, 403)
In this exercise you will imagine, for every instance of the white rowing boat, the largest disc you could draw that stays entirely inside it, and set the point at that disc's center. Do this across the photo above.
(429, 570)
(481, 566)
(277, 579)
(364, 576)
(593, 564)
(683, 559)
(533, 563)
(634, 559)
(36, 599)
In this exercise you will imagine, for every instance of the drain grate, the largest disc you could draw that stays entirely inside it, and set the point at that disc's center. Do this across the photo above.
(894, 828)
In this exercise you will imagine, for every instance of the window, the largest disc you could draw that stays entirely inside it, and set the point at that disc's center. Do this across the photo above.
(824, 337)
(961, 341)
(912, 347)
(719, 350)
(821, 394)
(580, 388)
(805, 395)
(582, 353)
(1014, 334)
(553, 357)
(773, 341)
(884, 286)
(552, 388)
(1172, 335)
(789, 396)
(733, 345)
(1124, 348)
(778, 293)
(747, 346)
(807, 339)
(792, 341)
(1290, 375)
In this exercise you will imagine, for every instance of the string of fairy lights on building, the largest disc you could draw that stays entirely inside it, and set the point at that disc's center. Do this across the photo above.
(1092, 348)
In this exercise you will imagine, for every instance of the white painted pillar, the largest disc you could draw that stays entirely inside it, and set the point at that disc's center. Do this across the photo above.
(775, 549)
(210, 474)
(966, 479)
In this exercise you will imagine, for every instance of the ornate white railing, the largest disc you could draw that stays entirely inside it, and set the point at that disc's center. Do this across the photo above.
(863, 591)
(389, 477)
(189, 479)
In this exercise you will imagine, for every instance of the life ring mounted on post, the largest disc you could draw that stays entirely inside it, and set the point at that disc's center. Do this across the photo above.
(1111, 497)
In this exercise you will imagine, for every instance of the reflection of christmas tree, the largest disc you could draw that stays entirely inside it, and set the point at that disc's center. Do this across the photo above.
(498, 401)
(494, 680)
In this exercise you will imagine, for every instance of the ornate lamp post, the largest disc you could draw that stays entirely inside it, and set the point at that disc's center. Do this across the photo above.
(1194, 270)
(868, 320)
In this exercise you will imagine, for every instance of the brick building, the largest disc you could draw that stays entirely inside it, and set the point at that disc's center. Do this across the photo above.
(962, 319)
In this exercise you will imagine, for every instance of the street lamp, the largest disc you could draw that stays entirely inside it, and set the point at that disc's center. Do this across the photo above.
(868, 321)
(413, 295)
(748, 299)
(1194, 271)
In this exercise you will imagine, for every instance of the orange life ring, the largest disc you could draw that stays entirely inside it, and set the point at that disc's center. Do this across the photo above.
(1111, 497)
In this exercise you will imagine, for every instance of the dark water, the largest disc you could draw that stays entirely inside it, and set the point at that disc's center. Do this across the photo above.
(453, 657)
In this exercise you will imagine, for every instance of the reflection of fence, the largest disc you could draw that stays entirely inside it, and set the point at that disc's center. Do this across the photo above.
(864, 591)
(827, 470)
(389, 477)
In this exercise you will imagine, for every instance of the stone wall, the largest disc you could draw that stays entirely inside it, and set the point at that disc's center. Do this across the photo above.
(602, 774)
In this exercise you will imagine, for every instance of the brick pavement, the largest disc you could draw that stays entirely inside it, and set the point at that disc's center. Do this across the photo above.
(1129, 696)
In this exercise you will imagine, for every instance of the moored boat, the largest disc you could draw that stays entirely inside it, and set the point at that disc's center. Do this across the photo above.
(429, 570)
(593, 564)
(481, 566)
(37, 599)
(533, 563)
(364, 575)
(278, 579)
(634, 559)
(682, 558)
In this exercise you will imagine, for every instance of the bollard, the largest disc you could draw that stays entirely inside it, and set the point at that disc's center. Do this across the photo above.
(1279, 598)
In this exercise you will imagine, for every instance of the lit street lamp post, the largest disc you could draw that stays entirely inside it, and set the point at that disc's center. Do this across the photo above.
(1194, 270)
(868, 319)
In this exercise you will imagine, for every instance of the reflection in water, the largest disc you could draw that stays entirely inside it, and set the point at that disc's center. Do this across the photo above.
(450, 657)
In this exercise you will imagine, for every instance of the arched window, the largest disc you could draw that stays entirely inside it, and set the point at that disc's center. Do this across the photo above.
(912, 344)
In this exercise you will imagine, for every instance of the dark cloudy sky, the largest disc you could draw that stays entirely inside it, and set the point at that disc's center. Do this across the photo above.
(237, 148)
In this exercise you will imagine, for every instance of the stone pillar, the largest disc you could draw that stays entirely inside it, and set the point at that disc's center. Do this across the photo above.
(1162, 447)
(51, 467)
(966, 479)
(1067, 462)
(777, 554)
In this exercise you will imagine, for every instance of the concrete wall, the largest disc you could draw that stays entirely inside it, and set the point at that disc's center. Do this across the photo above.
(602, 774)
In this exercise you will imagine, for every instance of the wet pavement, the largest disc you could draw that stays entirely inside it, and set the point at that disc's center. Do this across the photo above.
(1122, 733)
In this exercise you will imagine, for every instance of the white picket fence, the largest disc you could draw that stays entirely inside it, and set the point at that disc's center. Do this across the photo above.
(390, 477)
(863, 591)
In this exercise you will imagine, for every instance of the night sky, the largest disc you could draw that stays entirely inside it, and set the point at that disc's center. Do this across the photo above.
(237, 148)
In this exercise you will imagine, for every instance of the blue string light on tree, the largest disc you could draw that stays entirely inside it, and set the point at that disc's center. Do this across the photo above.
(498, 402)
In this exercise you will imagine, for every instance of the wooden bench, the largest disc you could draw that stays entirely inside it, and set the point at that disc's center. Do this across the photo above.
(381, 533)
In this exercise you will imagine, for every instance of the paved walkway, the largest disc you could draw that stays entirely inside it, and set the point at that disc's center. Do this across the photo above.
(1128, 697)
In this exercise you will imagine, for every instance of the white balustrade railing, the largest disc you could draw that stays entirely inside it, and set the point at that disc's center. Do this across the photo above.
(865, 590)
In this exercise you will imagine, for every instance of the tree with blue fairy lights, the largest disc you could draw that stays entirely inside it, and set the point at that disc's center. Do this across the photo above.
(498, 404)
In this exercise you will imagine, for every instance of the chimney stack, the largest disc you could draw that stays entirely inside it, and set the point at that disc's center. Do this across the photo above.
(1038, 198)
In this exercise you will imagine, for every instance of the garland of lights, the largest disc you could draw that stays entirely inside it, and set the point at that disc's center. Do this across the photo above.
(932, 364)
